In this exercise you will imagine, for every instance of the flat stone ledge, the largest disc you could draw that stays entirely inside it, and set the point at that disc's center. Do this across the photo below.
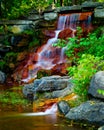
(99, 13)
(16, 22)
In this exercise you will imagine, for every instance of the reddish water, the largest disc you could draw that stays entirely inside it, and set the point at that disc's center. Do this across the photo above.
(52, 58)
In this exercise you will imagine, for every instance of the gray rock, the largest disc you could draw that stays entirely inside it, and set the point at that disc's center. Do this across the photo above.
(51, 83)
(90, 111)
(2, 77)
(34, 17)
(91, 4)
(97, 84)
(63, 107)
(99, 13)
(28, 89)
(63, 92)
(50, 16)
(101, 128)
(59, 93)
(51, 86)
(70, 8)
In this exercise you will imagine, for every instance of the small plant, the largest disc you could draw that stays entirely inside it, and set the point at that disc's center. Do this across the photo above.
(2, 65)
(100, 91)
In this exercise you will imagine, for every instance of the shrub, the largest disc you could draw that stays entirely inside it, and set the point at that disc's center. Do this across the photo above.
(82, 73)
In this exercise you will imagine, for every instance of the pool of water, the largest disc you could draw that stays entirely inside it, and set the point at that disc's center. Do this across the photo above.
(31, 121)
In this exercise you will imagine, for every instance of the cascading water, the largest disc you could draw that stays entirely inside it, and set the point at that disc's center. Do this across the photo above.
(48, 111)
(48, 57)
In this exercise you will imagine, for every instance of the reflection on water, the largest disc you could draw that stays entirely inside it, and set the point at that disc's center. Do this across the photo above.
(15, 121)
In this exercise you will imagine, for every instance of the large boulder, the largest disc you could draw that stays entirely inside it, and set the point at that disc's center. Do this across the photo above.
(90, 111)
(56, 86)
(96, 88)
(51, 83)
(2, 77)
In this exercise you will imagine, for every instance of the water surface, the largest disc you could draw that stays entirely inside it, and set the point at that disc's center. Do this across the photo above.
(27, 121)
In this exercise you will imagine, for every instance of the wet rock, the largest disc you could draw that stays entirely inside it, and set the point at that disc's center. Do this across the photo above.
(63, 107)
(64, 34)
(90, 111)
(97, 85)
(49, 33)
(2, 77)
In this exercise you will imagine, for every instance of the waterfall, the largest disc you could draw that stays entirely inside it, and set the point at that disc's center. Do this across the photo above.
(48, 57)
(48, 111)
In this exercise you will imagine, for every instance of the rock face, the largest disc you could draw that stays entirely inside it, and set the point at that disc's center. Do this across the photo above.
(57, 86)
(90, 111)
(2, 77)
(97, 84)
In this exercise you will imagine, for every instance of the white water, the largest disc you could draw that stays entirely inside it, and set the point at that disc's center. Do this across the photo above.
(49, 111)
(46, 50)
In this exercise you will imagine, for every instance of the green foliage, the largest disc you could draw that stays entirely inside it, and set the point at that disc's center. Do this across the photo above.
(12, 98)
(2, 64)
(82, 73)
(100, 91)
(87, 55)
(13, 9)
(10, 56)
(92, 44)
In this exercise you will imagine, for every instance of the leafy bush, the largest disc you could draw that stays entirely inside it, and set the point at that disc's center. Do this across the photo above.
(78, 45)
(82, 73)
(12, 98)
(2, 64)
